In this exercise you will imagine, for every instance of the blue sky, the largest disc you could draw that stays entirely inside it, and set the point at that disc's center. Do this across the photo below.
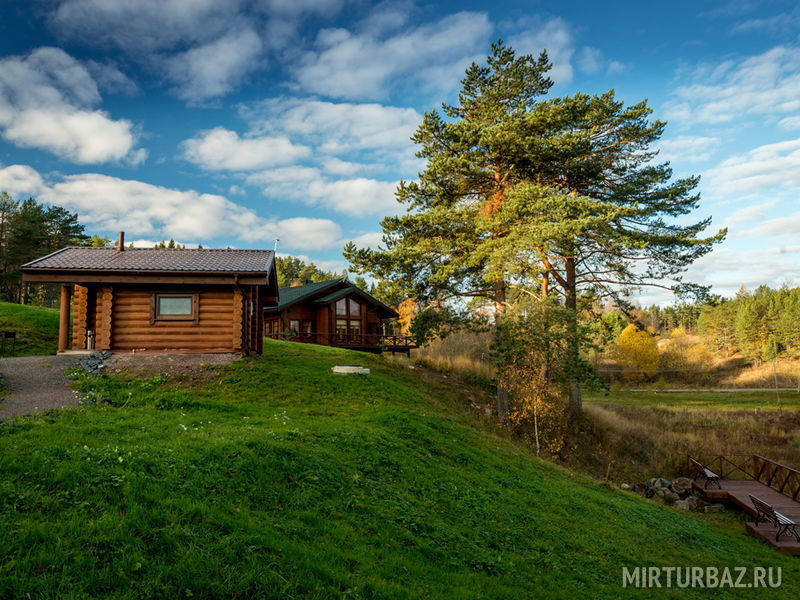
(236, 122)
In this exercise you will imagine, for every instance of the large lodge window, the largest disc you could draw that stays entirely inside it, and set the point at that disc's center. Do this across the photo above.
(348, 319)
(272, 328)
(300, 326)
(174, 307)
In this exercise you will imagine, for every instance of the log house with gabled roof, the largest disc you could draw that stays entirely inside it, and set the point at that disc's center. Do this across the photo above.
(160, 299)
(333, 313)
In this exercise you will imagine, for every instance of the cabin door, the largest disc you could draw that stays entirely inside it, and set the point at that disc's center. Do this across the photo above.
(91, 318)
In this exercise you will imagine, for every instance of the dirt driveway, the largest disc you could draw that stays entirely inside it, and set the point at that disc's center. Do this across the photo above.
(38, 383)
(34, 384)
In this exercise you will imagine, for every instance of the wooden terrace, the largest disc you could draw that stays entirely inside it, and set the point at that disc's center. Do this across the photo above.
(770, 481)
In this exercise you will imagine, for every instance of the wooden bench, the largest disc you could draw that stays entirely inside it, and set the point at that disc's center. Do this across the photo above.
(765, 512)
(709, 475)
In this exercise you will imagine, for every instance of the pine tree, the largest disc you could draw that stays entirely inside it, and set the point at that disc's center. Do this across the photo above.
(472, 151)
(523, 197)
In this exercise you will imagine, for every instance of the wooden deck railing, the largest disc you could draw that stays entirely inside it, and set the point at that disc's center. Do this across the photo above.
(347, 339)
(779, 477)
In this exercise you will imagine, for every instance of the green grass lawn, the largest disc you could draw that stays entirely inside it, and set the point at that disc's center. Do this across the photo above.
(276, 479)
(36, 327)
(698, 400)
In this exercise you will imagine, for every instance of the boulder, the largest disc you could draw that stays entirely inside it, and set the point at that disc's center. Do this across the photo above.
(660, 483)
(644, 489)
(681, 486)
(713, 508)
(625, 486)
(670, 496)
(683, 505)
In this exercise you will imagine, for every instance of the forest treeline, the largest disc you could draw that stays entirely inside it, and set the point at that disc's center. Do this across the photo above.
(29, 230)
(761, 324)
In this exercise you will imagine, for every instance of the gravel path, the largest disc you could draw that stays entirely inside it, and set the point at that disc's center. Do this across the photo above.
(38, 383)
(35, 384)
(146, 365)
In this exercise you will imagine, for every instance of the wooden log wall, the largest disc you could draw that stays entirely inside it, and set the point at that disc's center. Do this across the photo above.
(213, 332)
(238, 314)
(254, 315)
(103, 311)
(79, 318)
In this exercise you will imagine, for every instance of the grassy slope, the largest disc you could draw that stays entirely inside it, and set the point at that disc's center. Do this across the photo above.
(36, 327)
(277, 478)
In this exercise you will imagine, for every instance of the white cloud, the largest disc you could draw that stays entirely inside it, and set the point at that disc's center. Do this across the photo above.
(615, 67)
(357, 197)
(364, 65)
(203, 48)
(221, 149)
(752, 213)
(214, 69)
(687, 148)
(107, 203)
(767, 84)
(82, 136)
(368, 240)
(20, 180)
(790, 123)
(727, 269)
(141, 243)
(343, 136)
(759, 170)
(781, 23)
(590, 60)
(553, 35)
(787, 225)
(305, 233)
(111, 80)
(341, 129)
(46, 101)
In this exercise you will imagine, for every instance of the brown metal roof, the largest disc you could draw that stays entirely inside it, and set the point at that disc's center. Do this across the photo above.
(160, 260)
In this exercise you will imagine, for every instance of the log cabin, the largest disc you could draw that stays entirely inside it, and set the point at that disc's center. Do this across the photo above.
(333, 313)
(160, 299)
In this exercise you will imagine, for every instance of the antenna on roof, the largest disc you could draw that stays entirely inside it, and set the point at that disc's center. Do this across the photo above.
(275, 248)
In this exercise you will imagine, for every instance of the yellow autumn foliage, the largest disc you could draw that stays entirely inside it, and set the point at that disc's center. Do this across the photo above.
(637, 348)
(406, 311)
(536, 409)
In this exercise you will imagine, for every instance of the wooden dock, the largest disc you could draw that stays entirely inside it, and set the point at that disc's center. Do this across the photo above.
(775, 484)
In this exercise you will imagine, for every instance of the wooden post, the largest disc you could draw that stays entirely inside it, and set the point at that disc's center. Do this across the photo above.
(63, 324)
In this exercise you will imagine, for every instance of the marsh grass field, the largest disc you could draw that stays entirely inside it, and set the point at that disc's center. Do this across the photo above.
(699, 400)
(633, 436)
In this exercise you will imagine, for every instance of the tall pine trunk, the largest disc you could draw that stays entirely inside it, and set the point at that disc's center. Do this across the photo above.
(502, 399)
(571, 304)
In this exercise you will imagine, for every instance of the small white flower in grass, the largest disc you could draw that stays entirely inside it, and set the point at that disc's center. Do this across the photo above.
(182, 425)
(119, 459)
